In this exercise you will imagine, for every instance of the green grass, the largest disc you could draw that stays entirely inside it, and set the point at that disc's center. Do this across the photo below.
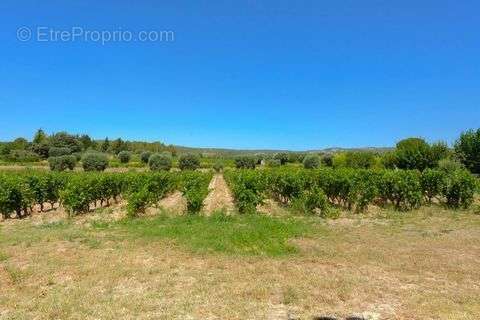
(238, 235)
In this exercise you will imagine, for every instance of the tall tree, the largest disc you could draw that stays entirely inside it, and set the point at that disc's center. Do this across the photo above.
(467, 149)
(105, 145)
(40, 137)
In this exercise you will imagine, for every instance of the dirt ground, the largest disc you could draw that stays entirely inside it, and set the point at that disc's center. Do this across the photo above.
(419, 265)
(220, 196)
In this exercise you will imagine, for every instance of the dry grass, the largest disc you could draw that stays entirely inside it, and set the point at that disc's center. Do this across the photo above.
(418, 265)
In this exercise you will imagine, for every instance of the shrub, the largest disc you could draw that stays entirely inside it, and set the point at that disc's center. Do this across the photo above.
(432, 182)
(160, 161)
(124, 156)
(389, 160)
(189, 161)
(360, 160)
(62, 163)
(218, 166)
(438, 151)
(94, 161)
(459, 189)
(245, 162)
(146, 190)
(283, 157)
(311, 161)
(363, 188)
(313, 201)
(23, 156)
(195, 189)
(467, 149)
(450, 165)
(145, 156)
(327, 160)
(137, 202)
(339, 160)
(402, 188)
(272, 163)
(285, 184)
(415, 153)
(59, 151)
(15, 196)
(248, 188)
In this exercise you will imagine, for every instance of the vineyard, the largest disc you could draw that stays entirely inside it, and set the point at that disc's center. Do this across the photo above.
(322, 191)
(21, 193)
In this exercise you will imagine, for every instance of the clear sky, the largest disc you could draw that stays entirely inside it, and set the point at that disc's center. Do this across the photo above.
(245, 74)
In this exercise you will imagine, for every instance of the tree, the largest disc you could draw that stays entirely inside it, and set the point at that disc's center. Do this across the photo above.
(413, 153)
(311, 161)
(189, 161)
(87, 142)
(467, 150)
(94, 161)
(144, 156)
(62, 163)
(439, 150)
(327, 160)
(245, 162)
(19, 144)
(105, 145)
(283, 157)
(360, 159)
(65, 140)
(40, 137)
(118, 146)
(41, 149)
(124, 156)
(160, 161)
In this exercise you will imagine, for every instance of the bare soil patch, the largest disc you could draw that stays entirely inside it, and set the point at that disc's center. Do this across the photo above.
(220, 196)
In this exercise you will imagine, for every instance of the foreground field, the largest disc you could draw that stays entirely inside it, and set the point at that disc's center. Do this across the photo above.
(417, 265)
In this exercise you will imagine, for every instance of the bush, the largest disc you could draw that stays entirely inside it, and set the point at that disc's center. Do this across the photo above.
(311, 161)
(124, 156)
(62, 163)
(459, 189)
(467, 149)
(449, 165)
(245, 162)
(432, 182)
(327, 160)
(147, 189)
(360, 160)
(145, 156)
(389, 160)
(195, 189)
(313, 201)
(94, 161)
(15, 196)
(413, 153)
(283, 157)
(272, 163)
(189, 161)
(248, 188)
(402, 188)
(160, 161)
(59, 151)
(23, 156)
(218, 166)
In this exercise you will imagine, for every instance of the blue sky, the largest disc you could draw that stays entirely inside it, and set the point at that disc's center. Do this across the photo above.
(246, 74)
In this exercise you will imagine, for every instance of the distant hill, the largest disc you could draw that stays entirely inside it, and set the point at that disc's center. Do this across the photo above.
(233, 152)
